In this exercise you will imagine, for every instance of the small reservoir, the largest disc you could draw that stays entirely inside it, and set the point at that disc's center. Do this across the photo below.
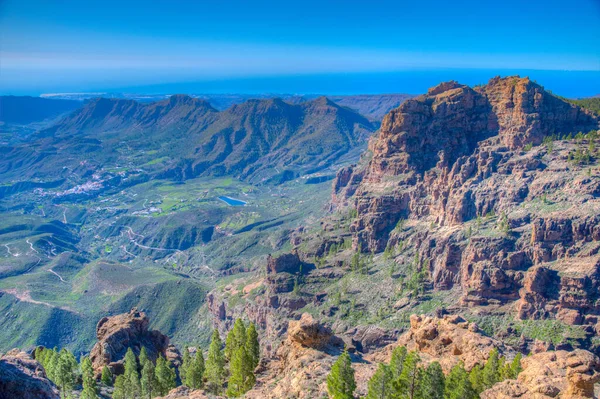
(232, 201)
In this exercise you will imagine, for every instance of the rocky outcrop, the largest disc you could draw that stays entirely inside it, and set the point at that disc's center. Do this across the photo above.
(288, 263)
(438, 143)
(302, 363)
(459, 176)
(118, 333)
(23, 377)
(449, 340)
(309, 333)
(282, 272)
(182, 392)
(550, 375)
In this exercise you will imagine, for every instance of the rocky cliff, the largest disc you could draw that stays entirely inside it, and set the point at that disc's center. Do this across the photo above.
(495, 188)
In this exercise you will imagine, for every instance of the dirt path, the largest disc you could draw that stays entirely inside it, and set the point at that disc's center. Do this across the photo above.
(57, 275)
(9, 252)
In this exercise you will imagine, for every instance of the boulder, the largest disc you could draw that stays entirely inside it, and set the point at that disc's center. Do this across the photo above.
(22, 377)
(128, 330)
(449, 340)
(309, 332)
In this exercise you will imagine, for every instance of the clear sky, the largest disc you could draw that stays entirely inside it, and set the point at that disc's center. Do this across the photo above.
(79, 45)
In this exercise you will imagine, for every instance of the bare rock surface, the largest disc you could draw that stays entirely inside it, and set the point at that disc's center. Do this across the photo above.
(22, 377)
(463, 177)
(128, 330)
(448, 340)
(552, 374)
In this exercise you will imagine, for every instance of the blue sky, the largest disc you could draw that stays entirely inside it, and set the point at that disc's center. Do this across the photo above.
(67, 45)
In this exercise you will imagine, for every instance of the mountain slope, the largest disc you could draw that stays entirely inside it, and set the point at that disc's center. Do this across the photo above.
(184, 137)
(495, 189)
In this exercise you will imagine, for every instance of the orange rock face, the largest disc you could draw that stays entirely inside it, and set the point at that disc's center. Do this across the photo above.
(129, 330)
(448, 340)
(550, 374)
(493, 211)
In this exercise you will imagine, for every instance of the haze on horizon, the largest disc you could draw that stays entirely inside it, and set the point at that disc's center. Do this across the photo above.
(309, 46)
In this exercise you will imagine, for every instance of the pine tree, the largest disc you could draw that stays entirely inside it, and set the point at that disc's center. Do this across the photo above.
(407, 383)
(242, 377)
(132, 377)
(433, 382)
(119, 390)
(340, 381)
(458, 385)
(90, 390)
(185, 365)
(107, 378)
(195, 373)
(511, 370)
(380, 385)
(397, 362)
(235, 338)
(491, 370)
(143, 356)
(252, 345)
(39, 355)
(52, 365)
(148, 380)
(215, 364)
(476, 378)
(515, 366)
(165, 376)
(65, 372)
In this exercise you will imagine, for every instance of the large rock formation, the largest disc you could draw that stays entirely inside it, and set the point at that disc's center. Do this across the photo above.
(449, 340)
(282, 271)
(128, 330)
(493, 211)
(303, 362)
(22, 377)
(567, 375)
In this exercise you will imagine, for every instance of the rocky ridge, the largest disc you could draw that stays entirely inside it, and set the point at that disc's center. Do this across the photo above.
(258, 140)
(304, 359)
(478, 183)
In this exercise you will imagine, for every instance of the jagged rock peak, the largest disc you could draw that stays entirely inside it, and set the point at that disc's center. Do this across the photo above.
(443, 87)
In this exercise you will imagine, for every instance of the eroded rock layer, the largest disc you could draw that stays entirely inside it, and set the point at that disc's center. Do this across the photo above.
(495, 188)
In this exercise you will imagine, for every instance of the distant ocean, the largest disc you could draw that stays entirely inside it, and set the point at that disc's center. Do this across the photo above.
(572, 84)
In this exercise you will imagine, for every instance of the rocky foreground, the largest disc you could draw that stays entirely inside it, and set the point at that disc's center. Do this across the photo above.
(304, 359)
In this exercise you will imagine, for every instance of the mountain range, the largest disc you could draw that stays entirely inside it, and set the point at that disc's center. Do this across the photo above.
(467, 220)
(183, 137)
